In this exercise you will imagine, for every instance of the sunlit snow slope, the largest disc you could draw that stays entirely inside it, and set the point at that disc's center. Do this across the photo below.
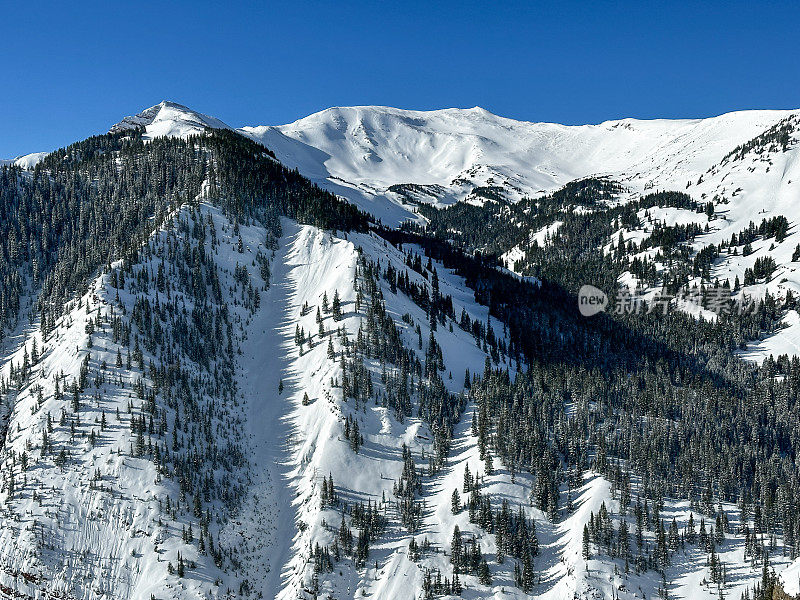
(379, 157)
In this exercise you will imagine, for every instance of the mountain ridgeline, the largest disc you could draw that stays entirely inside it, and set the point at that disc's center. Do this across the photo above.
(98, 200)
(453, 425)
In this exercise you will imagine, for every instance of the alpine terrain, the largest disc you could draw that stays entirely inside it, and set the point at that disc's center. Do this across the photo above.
(343, 358)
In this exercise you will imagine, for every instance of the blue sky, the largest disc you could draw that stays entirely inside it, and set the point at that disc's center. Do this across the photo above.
(70, 70)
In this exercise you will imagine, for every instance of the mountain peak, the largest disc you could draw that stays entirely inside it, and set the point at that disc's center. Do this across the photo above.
(169, 119)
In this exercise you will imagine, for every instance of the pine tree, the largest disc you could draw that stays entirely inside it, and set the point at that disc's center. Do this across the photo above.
(527, 572)
(456, 548)
(76, 397)
(586, 553)
(337, 306)
(484, 575)
(455, 502)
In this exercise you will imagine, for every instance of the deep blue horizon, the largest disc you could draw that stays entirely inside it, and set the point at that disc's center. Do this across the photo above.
(71, 71)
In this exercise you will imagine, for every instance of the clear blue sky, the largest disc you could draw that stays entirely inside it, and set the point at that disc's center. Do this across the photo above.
(72, 69)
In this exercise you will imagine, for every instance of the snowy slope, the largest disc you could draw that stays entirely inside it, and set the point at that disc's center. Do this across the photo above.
(363, 151)
(746, 186)
(86, 517)
(308, 265)
(114, 528)
(28, 161)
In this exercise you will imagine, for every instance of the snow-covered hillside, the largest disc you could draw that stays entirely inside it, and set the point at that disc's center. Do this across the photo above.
(91, 478)
(96, 501)
(246, 408)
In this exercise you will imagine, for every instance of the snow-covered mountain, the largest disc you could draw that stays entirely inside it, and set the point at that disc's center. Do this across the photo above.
(250, 407)
(104, 521)
(379, 157)
(386, 159)
(169, 119)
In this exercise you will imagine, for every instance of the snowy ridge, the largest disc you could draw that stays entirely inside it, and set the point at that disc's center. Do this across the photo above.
(86, 517)
(28, 161)
(316, 264)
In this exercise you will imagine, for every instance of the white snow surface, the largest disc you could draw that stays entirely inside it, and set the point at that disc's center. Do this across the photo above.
(361, 151)
(27, 161)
